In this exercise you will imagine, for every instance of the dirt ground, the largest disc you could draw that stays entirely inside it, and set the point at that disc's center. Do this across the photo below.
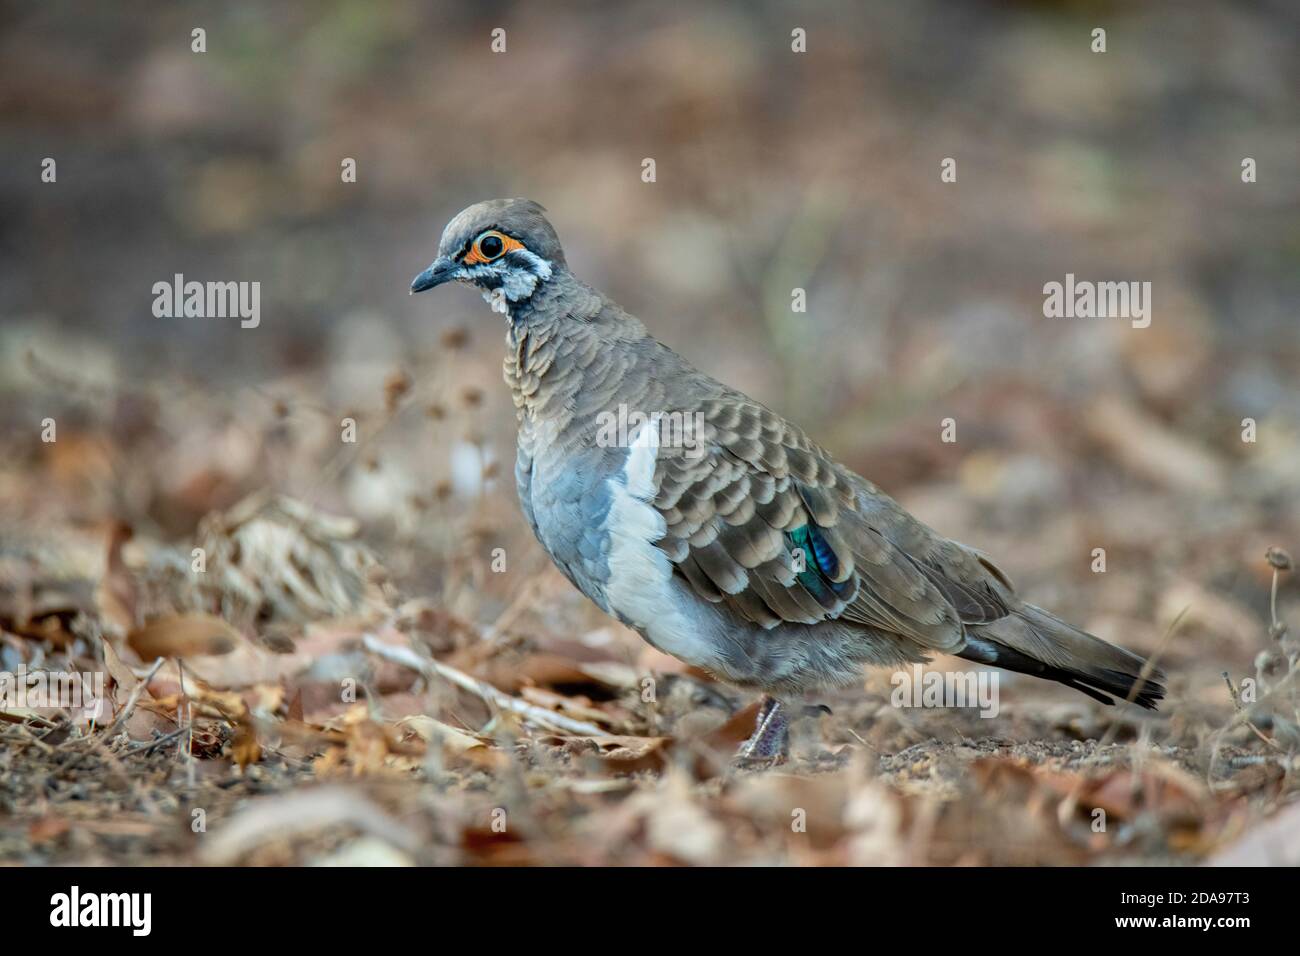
(403, 733)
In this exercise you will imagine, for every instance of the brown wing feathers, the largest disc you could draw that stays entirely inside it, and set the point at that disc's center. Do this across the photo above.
(734, 516)
(732, 511)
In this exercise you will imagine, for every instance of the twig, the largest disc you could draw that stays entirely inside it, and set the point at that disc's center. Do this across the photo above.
(406, 657)
(21, 719)
(1240, 718)
(136, 693)
(1232, 691)
(148, 745)
(521, 603)
(1275, 625)
(1238, 706)
(123, 715)
(32, 740)
(1280, 561)
(1148, 668)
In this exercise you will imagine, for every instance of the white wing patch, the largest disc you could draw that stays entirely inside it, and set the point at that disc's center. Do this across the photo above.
(639, 573)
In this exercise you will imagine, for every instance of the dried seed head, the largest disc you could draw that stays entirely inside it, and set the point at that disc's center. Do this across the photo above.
(472, 395)
(436, 412)
(1278, 558)
(442, 490)
(455, 338)
(396, 385)
(1268, 662)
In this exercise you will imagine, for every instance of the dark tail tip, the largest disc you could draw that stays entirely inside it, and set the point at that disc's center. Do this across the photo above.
(1145, 692)
(1100, 683)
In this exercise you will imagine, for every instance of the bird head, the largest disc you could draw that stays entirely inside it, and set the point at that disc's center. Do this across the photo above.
(505, 247)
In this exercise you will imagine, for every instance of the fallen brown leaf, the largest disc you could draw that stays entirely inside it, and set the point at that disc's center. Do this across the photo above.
(117, 594)
(183, 635)
(615, 753)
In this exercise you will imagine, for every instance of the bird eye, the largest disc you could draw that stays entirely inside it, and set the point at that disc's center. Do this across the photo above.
(490, 246)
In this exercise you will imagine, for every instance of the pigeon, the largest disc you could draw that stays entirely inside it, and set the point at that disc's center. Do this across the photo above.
(716, 529)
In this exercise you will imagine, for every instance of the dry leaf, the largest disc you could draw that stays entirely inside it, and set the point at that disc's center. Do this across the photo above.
(617, 754)
(579, 707)
(124, 678)
(430, 730)
(183, 635)
(244, 748)
(117, 595)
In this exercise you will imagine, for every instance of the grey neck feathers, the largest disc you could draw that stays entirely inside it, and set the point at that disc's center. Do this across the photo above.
(567, 350)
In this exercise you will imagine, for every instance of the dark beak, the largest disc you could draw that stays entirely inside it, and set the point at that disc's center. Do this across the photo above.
(442, 270)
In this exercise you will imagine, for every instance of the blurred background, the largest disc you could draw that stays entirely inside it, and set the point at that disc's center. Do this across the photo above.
(775, 170)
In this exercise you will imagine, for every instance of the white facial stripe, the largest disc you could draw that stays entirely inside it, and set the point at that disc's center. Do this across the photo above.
(517, 283)
(540, 265)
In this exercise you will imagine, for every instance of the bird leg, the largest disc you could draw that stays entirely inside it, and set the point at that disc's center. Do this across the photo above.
(771, 738)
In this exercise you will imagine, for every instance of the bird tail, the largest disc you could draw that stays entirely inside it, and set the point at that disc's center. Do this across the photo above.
(1029, 640)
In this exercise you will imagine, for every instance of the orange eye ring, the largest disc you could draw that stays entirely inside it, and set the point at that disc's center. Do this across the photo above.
(489, 247)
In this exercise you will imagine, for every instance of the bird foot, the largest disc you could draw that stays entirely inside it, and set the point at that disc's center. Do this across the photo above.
(770, 743)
